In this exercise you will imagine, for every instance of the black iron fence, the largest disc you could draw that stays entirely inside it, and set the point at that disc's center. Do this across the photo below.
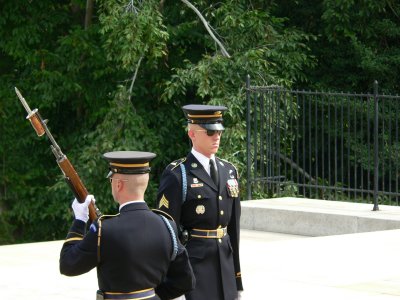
(323, 145)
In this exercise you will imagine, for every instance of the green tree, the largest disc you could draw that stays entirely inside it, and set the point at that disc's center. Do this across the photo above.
(119, 84)
(357, 42)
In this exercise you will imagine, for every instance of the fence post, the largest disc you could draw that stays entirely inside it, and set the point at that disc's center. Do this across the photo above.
(248, 183)
(376, 146)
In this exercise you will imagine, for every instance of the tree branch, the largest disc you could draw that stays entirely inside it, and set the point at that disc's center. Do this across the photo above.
(223, 50)
(131, 7)
(134, 77)
(294, 165)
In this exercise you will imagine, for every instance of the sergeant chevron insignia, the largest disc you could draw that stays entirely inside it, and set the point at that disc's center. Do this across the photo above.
(163, 202)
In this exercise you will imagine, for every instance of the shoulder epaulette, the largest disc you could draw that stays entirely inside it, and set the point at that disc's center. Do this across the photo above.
(160, 212)
(103, 217)
(177, 162)
(237, 172)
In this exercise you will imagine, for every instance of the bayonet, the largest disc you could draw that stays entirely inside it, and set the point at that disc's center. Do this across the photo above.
(70, 175)
(24, 103)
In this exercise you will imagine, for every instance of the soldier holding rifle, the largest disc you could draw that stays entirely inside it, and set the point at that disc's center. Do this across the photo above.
(136, 252)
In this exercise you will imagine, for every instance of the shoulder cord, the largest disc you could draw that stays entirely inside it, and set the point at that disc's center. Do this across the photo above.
(173, 237)
(184, 182)
(183, 233)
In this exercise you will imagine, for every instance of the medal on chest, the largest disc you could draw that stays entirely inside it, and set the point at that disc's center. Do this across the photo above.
(233, 187)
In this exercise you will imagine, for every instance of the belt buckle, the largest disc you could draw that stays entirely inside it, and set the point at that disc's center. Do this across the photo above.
(220, 233)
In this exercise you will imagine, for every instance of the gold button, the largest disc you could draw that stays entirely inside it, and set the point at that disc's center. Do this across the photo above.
(198, 196)
(219, 240)
(222, 212)
(220, 197)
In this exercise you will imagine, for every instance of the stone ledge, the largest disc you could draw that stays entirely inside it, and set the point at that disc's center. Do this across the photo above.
(312, 217)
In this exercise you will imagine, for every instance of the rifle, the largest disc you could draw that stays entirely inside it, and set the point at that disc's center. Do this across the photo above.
(70, 175)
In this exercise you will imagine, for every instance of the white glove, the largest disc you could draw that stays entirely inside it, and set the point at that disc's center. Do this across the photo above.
(239, 295)
(81, 210)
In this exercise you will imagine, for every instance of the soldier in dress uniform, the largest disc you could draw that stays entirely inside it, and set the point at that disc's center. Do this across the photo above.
(136, 252)
(201, 193)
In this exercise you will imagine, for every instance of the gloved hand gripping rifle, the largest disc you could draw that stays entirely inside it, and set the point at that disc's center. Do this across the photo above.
(70, 175)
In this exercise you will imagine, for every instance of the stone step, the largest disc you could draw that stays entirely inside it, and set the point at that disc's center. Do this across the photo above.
(312, 217)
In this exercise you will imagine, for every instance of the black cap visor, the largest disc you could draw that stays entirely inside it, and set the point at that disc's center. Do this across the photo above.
(212, 126)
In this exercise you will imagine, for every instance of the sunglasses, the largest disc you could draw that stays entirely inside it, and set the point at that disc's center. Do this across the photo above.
(210, 132)
(111, 179)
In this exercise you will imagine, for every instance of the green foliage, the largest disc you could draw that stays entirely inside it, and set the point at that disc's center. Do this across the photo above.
(266, 51)
(132, 32)
(85, 82)
(58, 68)
(358, 41)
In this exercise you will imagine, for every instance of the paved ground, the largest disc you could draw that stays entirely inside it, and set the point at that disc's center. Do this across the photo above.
(274, 266)
(352, 266)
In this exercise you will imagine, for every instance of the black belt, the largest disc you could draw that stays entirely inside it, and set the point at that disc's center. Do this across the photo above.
(142, 294)
(208, 233)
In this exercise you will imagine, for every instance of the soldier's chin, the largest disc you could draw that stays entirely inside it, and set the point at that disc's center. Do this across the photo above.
(214, 149)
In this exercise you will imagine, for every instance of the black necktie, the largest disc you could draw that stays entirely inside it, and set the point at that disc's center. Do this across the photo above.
(213, 172)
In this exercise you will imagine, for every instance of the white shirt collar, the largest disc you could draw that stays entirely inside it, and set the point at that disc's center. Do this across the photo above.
(129, 202)
(204, 160)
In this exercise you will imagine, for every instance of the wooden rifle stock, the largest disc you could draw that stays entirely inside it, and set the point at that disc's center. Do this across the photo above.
(76, 185)
(70, 175)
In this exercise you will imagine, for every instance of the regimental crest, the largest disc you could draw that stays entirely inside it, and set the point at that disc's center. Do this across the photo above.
(163, 202)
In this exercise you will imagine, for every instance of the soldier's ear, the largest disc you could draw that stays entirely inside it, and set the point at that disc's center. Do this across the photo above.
(191, 133)
(120, 184)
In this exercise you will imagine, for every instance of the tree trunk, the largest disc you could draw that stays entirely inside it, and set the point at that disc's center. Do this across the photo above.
(89, 13)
